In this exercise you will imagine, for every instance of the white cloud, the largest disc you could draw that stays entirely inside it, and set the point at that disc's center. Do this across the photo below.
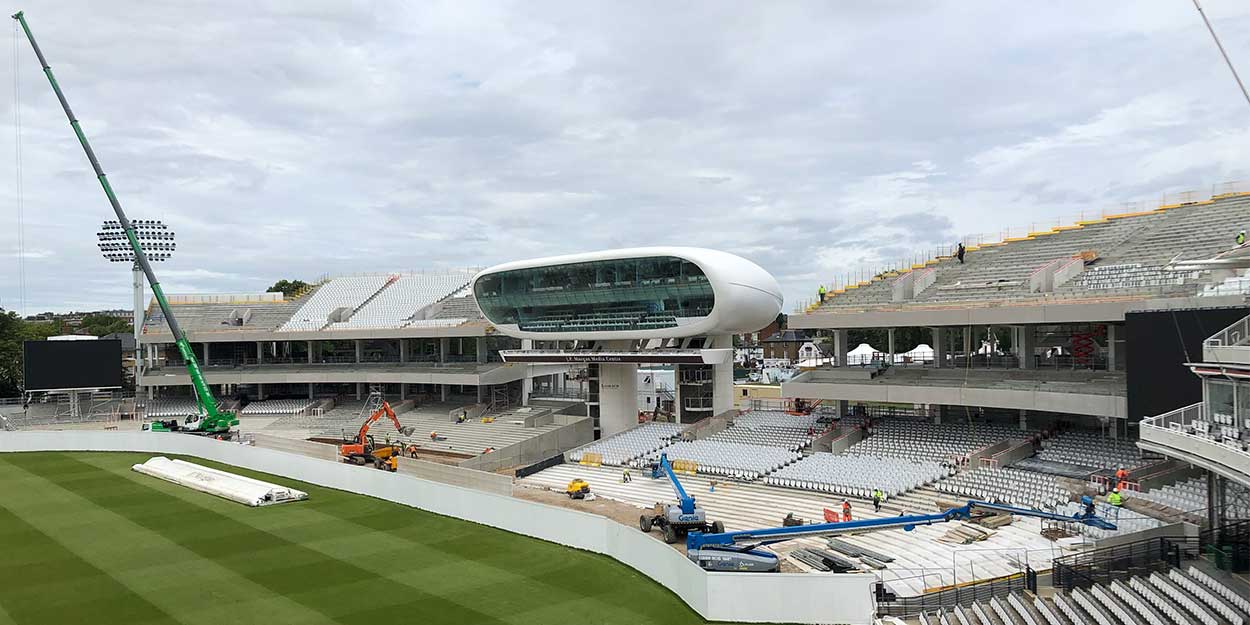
(816, 138)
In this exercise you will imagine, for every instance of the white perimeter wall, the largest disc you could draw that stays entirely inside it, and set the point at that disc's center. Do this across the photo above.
(745, 597)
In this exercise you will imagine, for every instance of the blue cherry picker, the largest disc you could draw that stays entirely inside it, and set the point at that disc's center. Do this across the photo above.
(679, 519)
(208, 420)
(740, 550)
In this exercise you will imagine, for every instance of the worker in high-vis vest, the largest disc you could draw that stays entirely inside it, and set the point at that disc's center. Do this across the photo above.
(1115, 499)
(821, 293)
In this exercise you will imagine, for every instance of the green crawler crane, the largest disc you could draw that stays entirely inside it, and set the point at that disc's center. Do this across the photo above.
(208, 419)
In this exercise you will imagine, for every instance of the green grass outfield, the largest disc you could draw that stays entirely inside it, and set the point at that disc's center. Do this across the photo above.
(83, 539)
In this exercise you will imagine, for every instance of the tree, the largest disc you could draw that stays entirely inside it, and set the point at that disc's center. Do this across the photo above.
(101, 325)
(13, 332)
(287, 288)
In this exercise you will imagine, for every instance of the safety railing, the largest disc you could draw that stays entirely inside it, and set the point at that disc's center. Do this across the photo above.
(1236, 334)
(959, 595)
(1121, 562)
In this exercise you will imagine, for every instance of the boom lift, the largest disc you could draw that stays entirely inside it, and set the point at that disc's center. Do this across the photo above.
(208, 419)
(363, 450)
(739, 551)
(675, 520)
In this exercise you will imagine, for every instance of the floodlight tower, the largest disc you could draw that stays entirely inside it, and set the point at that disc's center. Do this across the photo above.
(157, 241)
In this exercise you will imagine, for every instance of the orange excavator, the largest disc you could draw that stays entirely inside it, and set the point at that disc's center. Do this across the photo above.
(363, 450)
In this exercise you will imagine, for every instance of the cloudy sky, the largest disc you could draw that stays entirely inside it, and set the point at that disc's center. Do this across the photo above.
(303, 138)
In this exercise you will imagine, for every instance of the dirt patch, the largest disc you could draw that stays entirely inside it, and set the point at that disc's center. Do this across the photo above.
(622, 513)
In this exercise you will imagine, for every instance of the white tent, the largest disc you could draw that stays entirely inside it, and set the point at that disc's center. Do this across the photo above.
(861, 355)
(921, 353)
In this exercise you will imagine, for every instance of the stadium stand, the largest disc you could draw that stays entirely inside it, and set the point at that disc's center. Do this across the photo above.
(629, 445)
(856, 475)
(919, 439)
(347, 292)
(402, 297)
(1129, 253)
(1088, 449)
(772, 428)
(459, 307)
(1011, 486)
(163, 408)
(1191, 495)
(277, 407)
(736, 460)
(1188, 596)
(208, 317)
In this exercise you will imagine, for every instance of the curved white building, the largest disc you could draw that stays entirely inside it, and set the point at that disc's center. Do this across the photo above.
(636, 293)
(614, 309)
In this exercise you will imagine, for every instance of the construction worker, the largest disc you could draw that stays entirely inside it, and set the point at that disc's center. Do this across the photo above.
(846, 511)
(626, 477)
(821, 291)
(877, 496)
(1121, 478)
(1088, 502)
(1115, 499)
(1241, 237)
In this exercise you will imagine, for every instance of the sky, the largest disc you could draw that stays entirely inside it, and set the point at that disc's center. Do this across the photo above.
(819, 139)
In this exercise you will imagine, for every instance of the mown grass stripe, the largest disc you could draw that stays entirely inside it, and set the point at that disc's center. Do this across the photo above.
(179, 582)
(43, 582)
(327, 585)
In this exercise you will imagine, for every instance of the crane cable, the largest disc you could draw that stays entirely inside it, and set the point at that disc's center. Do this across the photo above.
(20, 199)
(1219, 45)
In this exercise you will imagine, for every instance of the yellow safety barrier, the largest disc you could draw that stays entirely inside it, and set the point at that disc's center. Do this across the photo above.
(591, 459)
(688, 467)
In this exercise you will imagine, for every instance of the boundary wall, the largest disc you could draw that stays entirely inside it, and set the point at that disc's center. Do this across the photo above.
(741, 597)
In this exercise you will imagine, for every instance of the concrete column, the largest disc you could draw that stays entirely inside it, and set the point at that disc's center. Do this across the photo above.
(618, 397)
(1112, 350)
(206, 352)
(939, 347)
(403, 350)
(442, 391)
(481, 398)
(723, 380)
(840, 348)
(1025, 347)
(967, 332)
(360, 390)
(260, 352)
(310, 390)
(1213, 500)
(260, 392)
(403, 391)
(444, 348)
(527, 387)
(1024, 419)
(360, 351)
(890, 338)
(481, 350)
(310, 351)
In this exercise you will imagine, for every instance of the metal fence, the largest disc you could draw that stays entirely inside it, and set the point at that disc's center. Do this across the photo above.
(963, 595)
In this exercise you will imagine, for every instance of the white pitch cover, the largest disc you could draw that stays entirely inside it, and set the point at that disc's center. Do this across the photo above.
(238, 488)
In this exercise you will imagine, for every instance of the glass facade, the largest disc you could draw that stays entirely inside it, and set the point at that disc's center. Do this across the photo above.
(608, 295)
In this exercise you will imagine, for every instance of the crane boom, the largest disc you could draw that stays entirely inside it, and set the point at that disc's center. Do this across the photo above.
(749, 539)
(211, 420)
(373, 418)
(685, 501)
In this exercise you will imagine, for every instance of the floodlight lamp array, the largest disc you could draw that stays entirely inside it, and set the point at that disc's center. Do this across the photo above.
(155, 238)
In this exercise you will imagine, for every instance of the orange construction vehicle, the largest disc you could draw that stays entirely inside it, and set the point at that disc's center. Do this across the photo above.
(363, 450)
